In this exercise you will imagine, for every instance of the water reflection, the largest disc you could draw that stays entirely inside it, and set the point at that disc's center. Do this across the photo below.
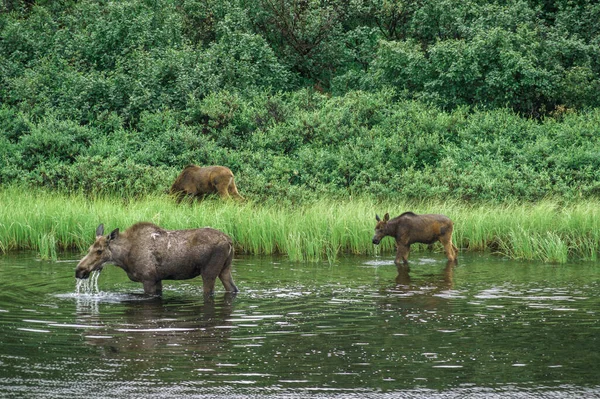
(360, 328)
(154, 325)
(403, 279)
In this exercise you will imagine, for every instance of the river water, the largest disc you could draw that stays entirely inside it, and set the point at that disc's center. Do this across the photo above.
(486, 327)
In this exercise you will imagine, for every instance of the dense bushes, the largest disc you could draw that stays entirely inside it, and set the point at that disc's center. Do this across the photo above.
(303, 145)
(85, 58)
(474, 99)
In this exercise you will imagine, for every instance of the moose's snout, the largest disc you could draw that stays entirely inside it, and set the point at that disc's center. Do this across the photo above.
(81, 274)
(376, 240)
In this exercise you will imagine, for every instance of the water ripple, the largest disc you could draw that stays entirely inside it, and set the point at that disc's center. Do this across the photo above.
(355, 329)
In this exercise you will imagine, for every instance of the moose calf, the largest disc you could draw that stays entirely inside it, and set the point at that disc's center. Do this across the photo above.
(409, 228)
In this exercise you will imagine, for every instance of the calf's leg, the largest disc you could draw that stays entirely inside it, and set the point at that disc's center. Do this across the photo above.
(449, 248)
(402, 254)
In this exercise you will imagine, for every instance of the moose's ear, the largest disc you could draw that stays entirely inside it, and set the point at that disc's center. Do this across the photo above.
(100, 230)
(377, 218)
(113, 235)
(386, 217)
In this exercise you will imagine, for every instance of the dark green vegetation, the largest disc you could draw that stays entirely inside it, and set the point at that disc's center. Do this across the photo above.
(438, 99)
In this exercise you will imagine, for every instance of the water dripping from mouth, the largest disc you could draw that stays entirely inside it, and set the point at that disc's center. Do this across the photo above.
(88, 286)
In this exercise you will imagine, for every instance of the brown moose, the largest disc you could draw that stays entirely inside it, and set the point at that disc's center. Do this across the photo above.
(196, 181)
(149, 254)
(409, 228)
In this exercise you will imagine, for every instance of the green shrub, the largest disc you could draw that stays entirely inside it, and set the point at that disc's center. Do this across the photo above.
(52, 140)
(300, 146)
(14, 124)
(102, 176)
(240, 59)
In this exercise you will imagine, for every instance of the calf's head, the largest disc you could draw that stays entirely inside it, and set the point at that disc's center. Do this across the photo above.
(98, 254)
(380, 228)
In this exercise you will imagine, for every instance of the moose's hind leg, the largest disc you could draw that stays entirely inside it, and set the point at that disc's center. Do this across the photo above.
(211, 270)
(449, 248)
(227, 280)
(234, 192)
(222, 186)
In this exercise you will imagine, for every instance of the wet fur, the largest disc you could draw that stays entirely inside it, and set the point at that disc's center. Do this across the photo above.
(197, 182)
(410, 228)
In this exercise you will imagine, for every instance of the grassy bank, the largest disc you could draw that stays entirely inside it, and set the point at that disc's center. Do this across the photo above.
(548, 231)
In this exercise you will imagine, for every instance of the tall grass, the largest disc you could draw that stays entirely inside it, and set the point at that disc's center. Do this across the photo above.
(548, 231)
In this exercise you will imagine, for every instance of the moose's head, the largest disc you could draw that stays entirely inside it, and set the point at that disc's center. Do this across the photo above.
(98, 254)
(380, 228)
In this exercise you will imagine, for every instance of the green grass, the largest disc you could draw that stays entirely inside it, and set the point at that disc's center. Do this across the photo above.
(547, 231)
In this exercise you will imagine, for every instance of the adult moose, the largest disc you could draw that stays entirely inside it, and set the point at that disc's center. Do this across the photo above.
(150, 254)
(197, 182)
(409, 228)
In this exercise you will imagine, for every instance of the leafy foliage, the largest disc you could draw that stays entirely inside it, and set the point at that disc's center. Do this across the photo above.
(474, 99)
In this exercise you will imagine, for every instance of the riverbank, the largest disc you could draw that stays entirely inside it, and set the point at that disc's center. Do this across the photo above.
(549, 231)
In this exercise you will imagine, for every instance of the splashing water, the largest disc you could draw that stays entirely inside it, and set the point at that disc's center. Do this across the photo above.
(88, 286)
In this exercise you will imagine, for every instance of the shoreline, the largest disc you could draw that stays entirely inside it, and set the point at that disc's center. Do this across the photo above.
(550, 231)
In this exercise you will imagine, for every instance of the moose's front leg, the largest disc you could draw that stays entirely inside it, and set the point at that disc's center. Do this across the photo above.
(152, 287)
(208, 283)
(402, 254)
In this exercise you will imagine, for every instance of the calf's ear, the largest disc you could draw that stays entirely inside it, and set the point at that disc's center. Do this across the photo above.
(377, 217)
(113, 235)
(100, 230)
(386, 217)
